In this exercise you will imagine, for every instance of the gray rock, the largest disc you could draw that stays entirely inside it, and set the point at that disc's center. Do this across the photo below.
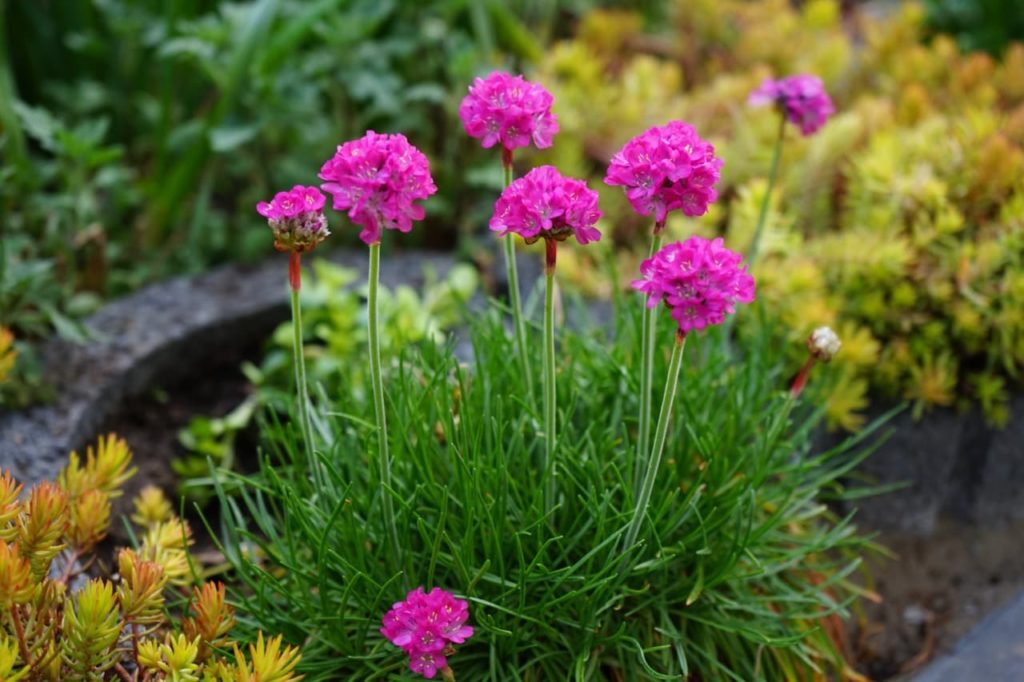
(922, 454)
(1000, 494)
(993, 652)
(163, 331)
(955, 466)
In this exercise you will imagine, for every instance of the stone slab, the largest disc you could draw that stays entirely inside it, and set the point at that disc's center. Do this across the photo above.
(157, 333)
(993, 652)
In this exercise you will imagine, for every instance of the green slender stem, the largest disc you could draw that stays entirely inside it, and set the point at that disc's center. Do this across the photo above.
(648, 324)
(518, 322)
(378, 406)
(772, 174)
(550, 394)
(660, 435)
(301, 384)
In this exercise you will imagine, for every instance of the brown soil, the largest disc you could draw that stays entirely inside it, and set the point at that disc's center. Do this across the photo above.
(934, 591)
(150, 424)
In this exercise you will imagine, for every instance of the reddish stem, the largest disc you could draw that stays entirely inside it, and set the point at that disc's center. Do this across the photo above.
(550, 255)
(506, 157)
(122, 673)
(801, 378)
(659, 227)
(295, 270)
(19, 629)
(69, 568)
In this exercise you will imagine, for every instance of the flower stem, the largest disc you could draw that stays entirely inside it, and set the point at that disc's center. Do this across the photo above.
(550, 395)
(801, 379)
(648, 323)
(301, 387)
(773, 172)
(512, 274)
(378, 405)
(660, 435)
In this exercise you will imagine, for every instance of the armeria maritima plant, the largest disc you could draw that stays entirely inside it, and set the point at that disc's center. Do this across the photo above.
(427, 626)
(379, 180)
(800, 100)
(297, 221)
(544, 204)
(700, 282)
(666, 168)
(581, 555)
(515, 113)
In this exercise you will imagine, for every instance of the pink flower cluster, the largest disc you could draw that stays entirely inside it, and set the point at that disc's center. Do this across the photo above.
(378, 179)
(801, 98)
(666, 168)
(544, 203)
(296, 218)
(699, 280)
(510, 110)
(426, 626)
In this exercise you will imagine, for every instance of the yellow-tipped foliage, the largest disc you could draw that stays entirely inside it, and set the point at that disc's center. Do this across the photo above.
(212, 618)
(141, 590)
(166, 543)
(42, 525)
(149, 655)
(116, 622)
(178, 659)
(151, 507)
(90, 520)
(16, 583)
(903, 216)
(10, 507)
(106, 468)
(9, 660)
(267, 662)
(8, 354)
(90, 632)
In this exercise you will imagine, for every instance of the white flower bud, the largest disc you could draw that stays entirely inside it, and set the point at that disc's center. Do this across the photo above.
(824, 344)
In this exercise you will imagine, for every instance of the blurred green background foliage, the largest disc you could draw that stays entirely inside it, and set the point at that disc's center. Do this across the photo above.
(136, 137)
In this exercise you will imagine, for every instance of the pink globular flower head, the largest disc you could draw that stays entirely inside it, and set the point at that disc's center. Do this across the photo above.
(509, 110)
(544, 203)
(699, 280)
(427, 626)
(802, 98)
(667, 168)
(296, 218)
(378, 179)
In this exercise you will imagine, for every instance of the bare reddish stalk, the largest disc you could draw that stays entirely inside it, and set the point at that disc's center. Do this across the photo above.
(801, 378)
(550, 255)
(19, 630)
(294, 270)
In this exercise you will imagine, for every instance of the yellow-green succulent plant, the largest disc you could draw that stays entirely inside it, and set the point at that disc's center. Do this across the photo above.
(901, 222)
(62, 619)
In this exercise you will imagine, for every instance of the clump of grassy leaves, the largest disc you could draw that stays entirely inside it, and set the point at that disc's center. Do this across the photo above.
(741, 573)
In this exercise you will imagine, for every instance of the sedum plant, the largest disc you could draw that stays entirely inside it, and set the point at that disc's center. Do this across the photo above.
(64, 618)
(8, 353)
(898, 222)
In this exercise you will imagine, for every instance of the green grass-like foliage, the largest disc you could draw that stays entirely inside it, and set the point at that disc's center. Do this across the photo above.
(742, 572)
(334, 320)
